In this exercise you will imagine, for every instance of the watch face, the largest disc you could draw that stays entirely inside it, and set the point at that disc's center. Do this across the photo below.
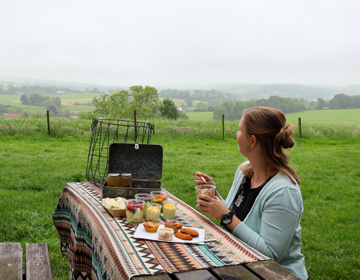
(226, 219)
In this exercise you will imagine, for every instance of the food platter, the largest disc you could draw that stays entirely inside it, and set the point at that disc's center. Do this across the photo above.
(140, 233)
(115, 206)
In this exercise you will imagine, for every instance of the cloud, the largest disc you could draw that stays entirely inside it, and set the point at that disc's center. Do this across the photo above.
(163, 42)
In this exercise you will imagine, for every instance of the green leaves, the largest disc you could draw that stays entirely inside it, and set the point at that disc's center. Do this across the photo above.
(122, 104)
(169, 110)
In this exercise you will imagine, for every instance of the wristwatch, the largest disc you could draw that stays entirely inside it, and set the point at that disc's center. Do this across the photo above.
(226, 218)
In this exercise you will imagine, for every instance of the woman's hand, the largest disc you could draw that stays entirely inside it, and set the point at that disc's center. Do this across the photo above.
(213, 207)
(207, 179)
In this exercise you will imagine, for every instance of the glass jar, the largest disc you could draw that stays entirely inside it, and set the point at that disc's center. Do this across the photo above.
(205, 190)
(134, 211)
(159, 196)
(126, 180)
(113, 179)
(169, 209)
(153, 212)
(147, 198)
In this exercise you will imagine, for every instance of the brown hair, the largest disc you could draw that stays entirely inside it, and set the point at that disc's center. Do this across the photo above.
(269, 127)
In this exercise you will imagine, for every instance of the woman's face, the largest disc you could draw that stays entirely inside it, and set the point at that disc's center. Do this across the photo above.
(243, 139)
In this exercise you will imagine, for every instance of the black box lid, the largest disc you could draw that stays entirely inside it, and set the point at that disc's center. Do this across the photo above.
(143, 161)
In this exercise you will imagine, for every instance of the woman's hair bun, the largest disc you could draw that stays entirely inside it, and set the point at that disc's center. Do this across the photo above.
(284, 137)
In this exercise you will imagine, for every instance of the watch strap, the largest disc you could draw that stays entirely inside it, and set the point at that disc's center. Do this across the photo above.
(230, 214)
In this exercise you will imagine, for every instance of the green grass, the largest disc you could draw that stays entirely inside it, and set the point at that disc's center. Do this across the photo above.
(345, 116)
(68, 101)
(35, 168)
(12, 100)
(202, 116)
(342, 116)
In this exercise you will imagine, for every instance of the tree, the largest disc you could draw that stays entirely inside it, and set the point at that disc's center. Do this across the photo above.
(101, 106)
(145, 101)
(36, 99)
(321, 103)
(229, 110)
(57, 101)
(340, 101)
(219, 111)
(52, 108)
(119, 105)
(189, 101)
(238, 110)
(24, 99)
(169, 110)
(355, 101)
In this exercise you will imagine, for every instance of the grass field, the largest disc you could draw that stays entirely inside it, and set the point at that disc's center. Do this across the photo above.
(201, 116)
(345, 116)
(35, 168)
(67, 101)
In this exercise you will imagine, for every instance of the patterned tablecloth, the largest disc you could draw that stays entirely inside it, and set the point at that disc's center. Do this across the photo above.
(102, 247)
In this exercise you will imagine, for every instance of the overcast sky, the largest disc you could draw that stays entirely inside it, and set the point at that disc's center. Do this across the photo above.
(163, 42)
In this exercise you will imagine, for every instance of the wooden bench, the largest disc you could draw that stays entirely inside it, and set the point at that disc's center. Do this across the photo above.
(37, 262)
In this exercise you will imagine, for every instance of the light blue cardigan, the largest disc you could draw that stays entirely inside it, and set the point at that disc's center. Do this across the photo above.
(273, 224)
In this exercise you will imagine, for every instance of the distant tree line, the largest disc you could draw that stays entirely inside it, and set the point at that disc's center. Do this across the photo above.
(144, 100)
(339, 101)
(35, 99)
(234, 110)
(208, 98)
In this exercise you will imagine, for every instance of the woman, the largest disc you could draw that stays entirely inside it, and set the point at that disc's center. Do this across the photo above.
(264, 205)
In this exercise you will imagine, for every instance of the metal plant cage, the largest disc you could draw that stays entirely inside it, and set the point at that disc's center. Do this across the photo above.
(106, 132)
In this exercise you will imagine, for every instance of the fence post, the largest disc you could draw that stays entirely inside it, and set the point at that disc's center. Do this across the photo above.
(299, 124)
(223, 128)
(48, 121)
(135, 125)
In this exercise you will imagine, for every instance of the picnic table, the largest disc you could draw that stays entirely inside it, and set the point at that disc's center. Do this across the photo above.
(100, 246)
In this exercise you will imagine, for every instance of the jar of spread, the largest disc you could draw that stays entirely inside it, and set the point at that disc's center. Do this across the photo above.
(113, 179)
(126, 180)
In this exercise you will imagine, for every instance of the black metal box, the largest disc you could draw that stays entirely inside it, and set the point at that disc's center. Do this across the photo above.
(143, 161)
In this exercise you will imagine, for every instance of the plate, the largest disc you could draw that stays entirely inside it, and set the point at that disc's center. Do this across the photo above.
(140, 233)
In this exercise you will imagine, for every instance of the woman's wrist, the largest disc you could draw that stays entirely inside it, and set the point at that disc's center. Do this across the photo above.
(217, 194)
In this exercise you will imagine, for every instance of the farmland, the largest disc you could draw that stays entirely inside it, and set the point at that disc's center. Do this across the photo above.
(76, 102)
(36, 168)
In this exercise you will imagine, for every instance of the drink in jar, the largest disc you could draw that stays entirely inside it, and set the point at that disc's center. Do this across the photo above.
(147, 198)
(134, 211)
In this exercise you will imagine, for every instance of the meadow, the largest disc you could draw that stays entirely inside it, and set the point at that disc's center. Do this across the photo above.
(344, 116)
(35, 168)
(68, 102)
(72, 102)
